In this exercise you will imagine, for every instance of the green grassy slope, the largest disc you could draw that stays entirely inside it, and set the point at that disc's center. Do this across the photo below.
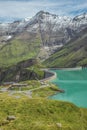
(40, 114)
(18, 49)
(72, 54)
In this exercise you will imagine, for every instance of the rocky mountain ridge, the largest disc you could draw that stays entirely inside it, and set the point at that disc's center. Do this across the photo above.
(54, 29)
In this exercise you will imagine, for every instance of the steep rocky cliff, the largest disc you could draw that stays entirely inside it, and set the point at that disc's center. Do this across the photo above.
(25, 70)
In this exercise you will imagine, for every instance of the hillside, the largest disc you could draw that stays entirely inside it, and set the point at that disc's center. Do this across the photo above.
(21, 47)
(40, 114)
(73, 54)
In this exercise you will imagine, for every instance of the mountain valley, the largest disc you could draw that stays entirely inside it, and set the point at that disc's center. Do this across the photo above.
(29, 49)
(56, 41)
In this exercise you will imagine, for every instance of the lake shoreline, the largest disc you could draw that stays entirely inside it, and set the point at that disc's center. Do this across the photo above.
(49, 75)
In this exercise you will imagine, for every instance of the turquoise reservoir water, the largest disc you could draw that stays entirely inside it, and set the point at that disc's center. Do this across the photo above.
(74, 82)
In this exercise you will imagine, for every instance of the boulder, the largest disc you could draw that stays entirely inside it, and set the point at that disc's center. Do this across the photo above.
(59, 125)
(10, 118)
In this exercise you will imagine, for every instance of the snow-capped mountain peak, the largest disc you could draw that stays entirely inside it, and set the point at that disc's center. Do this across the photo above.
(60, 28)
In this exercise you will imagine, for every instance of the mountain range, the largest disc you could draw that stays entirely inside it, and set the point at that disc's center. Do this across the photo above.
(55, 29)
(39, 36)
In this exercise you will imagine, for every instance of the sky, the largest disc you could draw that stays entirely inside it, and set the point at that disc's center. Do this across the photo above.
(20, 9)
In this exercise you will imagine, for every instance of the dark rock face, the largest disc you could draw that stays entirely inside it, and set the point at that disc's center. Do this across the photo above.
(19, 72)
(27, 63)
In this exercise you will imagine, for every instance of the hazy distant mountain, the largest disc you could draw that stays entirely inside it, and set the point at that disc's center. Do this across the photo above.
(8, 19)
